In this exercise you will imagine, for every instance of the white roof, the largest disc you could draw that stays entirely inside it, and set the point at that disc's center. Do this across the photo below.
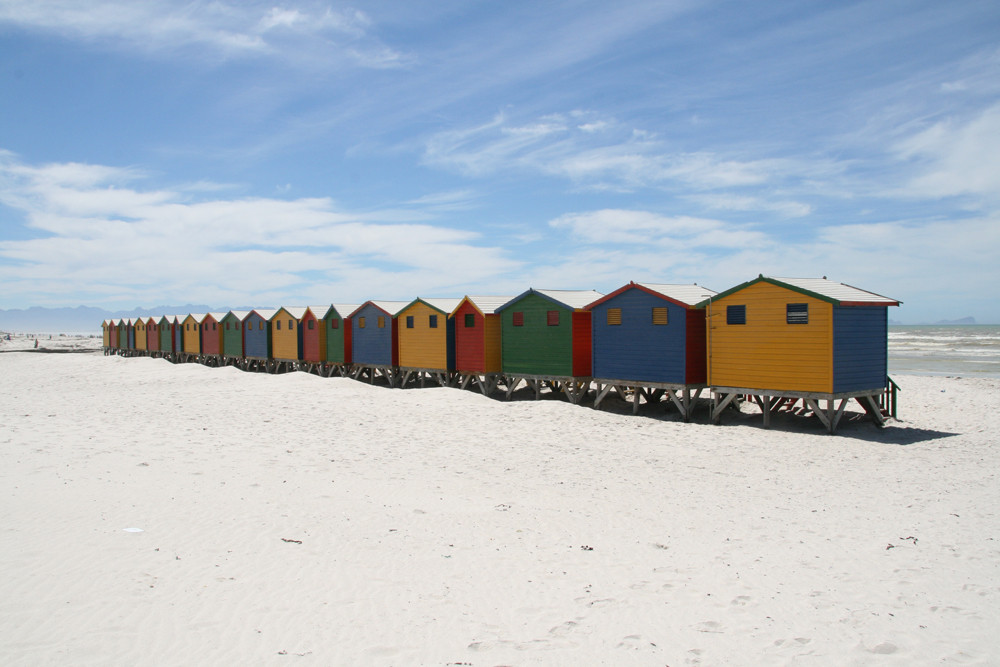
(686, 294)
(572, 298)
(487, 305)
(345, 309)
(218, 316)
(266, 313)
(391, 307)
(295, 311)
(836, 291)
(239, 314)
(198, 317)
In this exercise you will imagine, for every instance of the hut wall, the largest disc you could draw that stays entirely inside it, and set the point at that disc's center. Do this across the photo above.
(470, 343)
(423, 346)
(105, 335)
(313, 337)
(582, 344)
(285, 337)
(535, 348)
(166, 333)
(232, 336)
(372, 345)
(152, 335)
(112, 336)
(192, 336)
(256, 337)
(210, 336)
(696, 365)
(767, 352)
(140, 335)
(337, 334)
(637, 349)
(492, 344)
(860, 347)
(178, 335)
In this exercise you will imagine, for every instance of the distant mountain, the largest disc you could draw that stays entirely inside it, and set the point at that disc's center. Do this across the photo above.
(964, 320)
(85, 319)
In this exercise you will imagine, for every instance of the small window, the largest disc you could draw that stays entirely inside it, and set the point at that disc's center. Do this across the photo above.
(614, 317)
(361, 323)
(237, 326)
(381, 321)
(214, 326)
(433, 321)
(552, 318)
(660, 316)
(470, 320)
(797, 313)
(291, 325)
(736, 314)
(335, 323)
(278, 324)
(312, 325)
(409, 321)
(519, 319)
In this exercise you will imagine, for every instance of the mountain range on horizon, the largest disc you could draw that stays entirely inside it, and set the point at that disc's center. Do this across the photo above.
(87, 319)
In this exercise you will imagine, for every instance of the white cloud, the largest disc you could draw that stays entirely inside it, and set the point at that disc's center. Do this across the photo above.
(93, 233)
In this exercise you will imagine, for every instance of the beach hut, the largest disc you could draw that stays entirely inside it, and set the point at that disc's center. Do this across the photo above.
(211, 338)
(782, 340)
(128, 344)
(545, 341)
(152, 336)
(140, 335)
(649, 341)
(286, 338)
(427, 341)
(191, 337)
(167, 326)
(106, 336)
(257, 340)
(313, 333)
(231, 326)
(374, 340)
(477, 341)
(338, 337)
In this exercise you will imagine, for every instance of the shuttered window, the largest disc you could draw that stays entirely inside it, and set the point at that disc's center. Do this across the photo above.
(433, 321)
(797, 313)
(519, 319)
(409, 321)
(381, 321)
(552, 318)
(278, 324)
(614, 317)
(470, 320)
(660, 316)
(736, 314)
(361, 323)
(311, 325)
(214, 327)
(291, 325)
(334, 323)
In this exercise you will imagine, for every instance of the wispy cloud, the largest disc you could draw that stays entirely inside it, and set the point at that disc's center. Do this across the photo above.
(228, 29)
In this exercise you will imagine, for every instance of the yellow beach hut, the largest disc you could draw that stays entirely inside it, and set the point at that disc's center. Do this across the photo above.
(427, 340)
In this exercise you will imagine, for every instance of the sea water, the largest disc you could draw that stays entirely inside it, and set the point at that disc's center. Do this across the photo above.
(967, 350)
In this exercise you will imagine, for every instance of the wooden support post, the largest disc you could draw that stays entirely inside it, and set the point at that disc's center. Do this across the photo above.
(720, 405)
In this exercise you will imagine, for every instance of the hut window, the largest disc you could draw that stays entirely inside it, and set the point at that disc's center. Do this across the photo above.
(409, 321)
(334, 324)
(291, 324)
(278, 324)
(519, 319)
(214, 327)
(614, 316)
(361, 323)
(237, 326)
(434, 321)
(227, 326)
(381, 321)
(552, 318)
(736, 314)
(660, 316)
(797, 313)
(312, 325)
(470, 320)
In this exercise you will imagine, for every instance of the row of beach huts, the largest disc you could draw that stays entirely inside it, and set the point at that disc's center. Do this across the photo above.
(806, 345)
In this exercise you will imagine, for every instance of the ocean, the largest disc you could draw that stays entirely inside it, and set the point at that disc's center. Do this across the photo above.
(968, 350)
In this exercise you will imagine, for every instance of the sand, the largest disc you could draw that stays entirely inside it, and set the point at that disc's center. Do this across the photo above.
(155, 514)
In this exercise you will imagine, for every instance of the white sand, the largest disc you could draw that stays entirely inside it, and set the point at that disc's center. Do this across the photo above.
(440, 527)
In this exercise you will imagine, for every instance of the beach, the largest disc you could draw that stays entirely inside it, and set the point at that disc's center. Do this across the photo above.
(160, 514)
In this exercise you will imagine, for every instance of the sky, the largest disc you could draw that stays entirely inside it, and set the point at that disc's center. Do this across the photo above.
(242, 153)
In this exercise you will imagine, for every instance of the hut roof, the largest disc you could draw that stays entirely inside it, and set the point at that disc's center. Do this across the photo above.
(391, 308)
(572, 299)
(443, 306)
(342, 309)
(836, 293)
(686, 296)
(218, 316)
(238, 314)
(198, 317)
(264, 313)
(295, 311)
(486, 305)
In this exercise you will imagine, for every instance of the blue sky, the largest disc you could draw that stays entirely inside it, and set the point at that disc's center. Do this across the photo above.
(242, 153)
